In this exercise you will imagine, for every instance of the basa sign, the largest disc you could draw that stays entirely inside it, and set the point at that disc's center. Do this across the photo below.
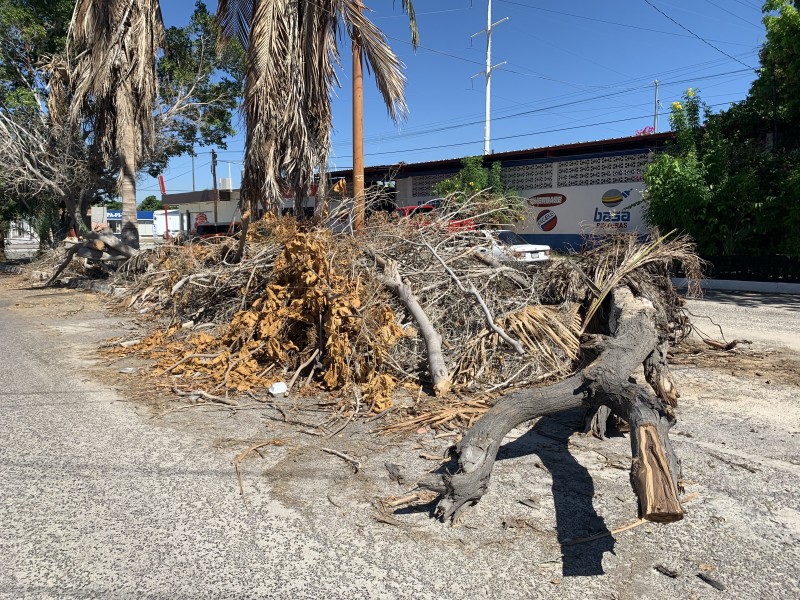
(564, 216)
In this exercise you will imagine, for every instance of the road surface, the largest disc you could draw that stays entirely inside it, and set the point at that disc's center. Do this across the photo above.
(100, 500)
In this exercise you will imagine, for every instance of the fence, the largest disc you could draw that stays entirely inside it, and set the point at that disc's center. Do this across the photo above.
(781, 269)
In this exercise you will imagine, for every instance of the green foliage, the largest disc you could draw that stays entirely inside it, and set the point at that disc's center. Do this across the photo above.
(732, 179)
(30, 30)
(151, 203)
(203, 84)
(480, 192)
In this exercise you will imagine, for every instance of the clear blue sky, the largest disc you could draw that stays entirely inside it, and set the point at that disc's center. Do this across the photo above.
(576, 70)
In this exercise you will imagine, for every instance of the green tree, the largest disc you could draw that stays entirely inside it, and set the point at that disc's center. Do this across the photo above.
(200, 82)
(151, 203)
(731, 179)
(479, 192)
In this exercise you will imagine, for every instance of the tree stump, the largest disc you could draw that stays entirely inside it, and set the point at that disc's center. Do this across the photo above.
(655, 469)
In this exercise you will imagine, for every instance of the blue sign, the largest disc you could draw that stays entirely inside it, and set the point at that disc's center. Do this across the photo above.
(141, 215)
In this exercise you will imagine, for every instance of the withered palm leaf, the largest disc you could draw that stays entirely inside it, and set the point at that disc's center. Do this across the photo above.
(112, 47)
(292, 50)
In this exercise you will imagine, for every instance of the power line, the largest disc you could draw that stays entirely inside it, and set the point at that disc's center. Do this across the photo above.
(697, 36)
(733, 14)
(429, 130)
(518, 135)
(639, 27)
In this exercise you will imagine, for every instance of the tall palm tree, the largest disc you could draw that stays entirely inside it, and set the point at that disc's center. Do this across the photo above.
(112, 47)
(292, 48)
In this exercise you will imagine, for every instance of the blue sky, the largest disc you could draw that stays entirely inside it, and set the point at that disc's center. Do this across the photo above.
(576, 70)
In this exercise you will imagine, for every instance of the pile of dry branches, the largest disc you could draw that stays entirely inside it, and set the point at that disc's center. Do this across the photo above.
(415, 302)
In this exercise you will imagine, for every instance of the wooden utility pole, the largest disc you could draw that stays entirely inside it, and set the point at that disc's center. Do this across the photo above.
(216, 189)
(358, 141)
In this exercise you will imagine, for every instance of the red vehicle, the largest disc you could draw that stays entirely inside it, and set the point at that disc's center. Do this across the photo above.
(453, 224)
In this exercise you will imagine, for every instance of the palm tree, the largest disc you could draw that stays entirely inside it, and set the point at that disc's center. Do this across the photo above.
(292, 48)
(112, 47)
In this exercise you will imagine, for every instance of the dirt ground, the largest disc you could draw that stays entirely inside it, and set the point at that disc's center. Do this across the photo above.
(560, 507)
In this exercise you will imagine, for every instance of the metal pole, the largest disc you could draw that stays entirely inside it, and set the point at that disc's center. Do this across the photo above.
(358, 141)
(655, 112)
(193, 188)
(488, 74)
(487, 123)
(216, 189)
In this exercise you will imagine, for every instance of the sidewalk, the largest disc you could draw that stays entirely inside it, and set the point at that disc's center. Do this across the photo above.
(772, 287)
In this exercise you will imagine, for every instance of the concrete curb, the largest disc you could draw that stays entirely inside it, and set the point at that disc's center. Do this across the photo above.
(732, 285)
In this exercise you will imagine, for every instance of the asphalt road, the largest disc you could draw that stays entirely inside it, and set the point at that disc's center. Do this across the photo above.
(100, 500)
(97, 502)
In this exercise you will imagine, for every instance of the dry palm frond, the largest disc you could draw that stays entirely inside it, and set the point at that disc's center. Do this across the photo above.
(620, 257)
(112, 47)
(291, 52)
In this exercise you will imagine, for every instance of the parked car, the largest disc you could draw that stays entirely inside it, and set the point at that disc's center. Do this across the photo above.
(417, 212)
(216, 230)
(510, 246)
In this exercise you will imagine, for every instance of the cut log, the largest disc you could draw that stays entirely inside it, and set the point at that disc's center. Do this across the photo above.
(651, 476)
(91, 253)
(655, 468)
(110, 240)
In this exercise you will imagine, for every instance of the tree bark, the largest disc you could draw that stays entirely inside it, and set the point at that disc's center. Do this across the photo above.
(126, 149)
(655, 468)
(657, 373)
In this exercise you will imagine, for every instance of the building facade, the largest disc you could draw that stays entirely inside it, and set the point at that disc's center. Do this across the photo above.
(571, 191)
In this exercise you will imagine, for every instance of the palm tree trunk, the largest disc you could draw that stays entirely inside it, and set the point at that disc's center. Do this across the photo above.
(126, 149)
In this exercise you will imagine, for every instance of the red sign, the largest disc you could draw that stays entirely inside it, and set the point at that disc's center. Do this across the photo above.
(546, 200)
(161, 184)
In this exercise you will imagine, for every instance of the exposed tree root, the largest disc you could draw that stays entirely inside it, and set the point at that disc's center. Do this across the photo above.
(655, 468)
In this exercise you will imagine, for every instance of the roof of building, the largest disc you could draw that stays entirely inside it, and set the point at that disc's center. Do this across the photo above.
(631, 143)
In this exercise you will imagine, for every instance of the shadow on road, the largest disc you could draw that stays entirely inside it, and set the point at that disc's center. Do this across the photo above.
(573, 490)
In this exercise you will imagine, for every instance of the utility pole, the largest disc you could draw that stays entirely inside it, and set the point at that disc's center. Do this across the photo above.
(358, 141)
(193, 188)
(488, 72)
(216, 189)
(655, 112)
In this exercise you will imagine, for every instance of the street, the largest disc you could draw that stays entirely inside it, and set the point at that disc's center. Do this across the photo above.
(98, 499)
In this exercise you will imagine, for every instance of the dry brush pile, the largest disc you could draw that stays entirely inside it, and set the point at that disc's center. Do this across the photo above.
(422, 304)
(335, 305)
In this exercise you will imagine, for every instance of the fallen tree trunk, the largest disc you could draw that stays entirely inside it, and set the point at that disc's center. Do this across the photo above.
(96, 245)
(655, 468)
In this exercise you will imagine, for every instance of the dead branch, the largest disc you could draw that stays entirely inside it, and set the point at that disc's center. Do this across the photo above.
(433, 340)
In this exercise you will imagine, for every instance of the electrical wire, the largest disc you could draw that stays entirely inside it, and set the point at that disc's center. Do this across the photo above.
(705, 41)
(733, 14)
(639, 27)
(517, 135)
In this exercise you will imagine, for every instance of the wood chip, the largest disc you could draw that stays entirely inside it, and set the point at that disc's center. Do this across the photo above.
(712, 582)
(666, 571)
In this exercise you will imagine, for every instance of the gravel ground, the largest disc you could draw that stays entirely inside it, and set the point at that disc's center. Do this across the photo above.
(100, 499)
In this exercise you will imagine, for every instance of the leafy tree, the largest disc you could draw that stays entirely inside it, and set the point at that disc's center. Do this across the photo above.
(30, 30)
(731, 180)
(480, 192)
(151, 203)
(200, 81)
